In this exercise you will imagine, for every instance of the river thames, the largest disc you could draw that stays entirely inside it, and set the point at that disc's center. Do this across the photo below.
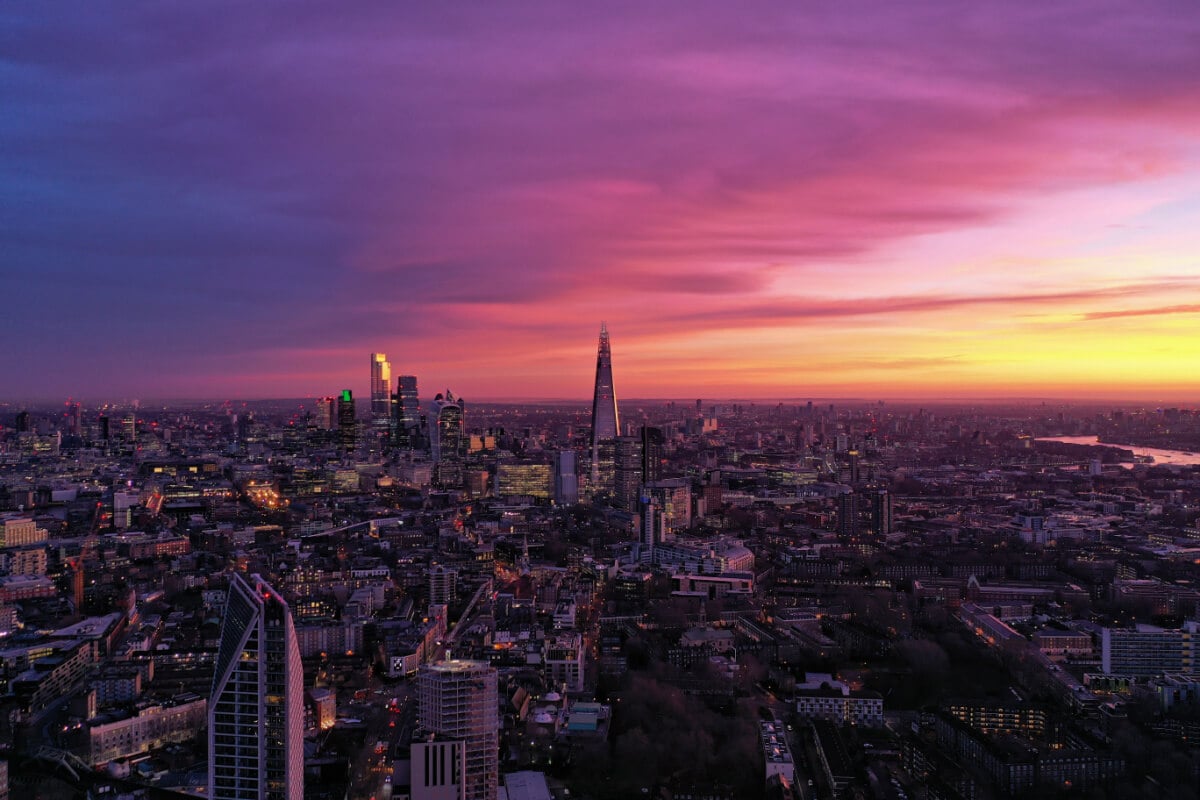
(1178, 457)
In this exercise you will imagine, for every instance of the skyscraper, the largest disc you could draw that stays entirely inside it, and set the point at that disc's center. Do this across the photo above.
(345, 421)
(407, 408)
(849, 512)
(381, 396)
(449, 441)
(627, 472)
(652, 454)
(605, 422)
(881, 512)
(256, 712)
(653, 531)
(458, 701)
(566, 482)
(637, 463)
(325, 419)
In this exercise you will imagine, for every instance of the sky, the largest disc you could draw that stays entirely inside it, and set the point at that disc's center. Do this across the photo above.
(762, 200)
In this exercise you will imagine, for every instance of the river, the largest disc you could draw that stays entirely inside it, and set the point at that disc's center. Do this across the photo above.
(1159, 456)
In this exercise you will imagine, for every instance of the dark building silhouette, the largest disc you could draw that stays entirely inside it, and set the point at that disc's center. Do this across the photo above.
(637, 461)
(848, 520)
(627, 468)
(880, 506)
(346, 421)
(652, 454)
(406, 410)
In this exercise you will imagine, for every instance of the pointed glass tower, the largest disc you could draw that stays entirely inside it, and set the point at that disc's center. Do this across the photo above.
(605, 423)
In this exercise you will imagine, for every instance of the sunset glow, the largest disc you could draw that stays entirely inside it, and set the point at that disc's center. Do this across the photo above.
(900, 200)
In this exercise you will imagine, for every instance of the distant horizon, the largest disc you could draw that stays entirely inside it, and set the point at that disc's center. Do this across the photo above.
(586, 403)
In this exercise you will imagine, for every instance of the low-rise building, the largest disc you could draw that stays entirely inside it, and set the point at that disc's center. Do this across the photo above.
(837, 703)
(145, 727)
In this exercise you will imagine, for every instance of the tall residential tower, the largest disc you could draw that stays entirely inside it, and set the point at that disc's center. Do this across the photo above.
(605, 423)
(458, 702)
(256, 711)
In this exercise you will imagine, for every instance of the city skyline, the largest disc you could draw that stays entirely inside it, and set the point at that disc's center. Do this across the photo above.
(925, 200)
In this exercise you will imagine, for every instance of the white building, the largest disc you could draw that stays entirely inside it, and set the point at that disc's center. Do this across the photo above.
(437, 770)
(458, 701)
(822, 697)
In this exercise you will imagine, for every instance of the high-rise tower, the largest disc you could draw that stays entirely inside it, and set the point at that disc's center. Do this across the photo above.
(449, 441)
(256, 712)
(458, 701)
(346, 422)
(408, 411)
(627, 472)
(381, 395)
(605, 422)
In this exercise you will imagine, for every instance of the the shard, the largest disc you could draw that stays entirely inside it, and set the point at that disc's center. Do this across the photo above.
(605, 423)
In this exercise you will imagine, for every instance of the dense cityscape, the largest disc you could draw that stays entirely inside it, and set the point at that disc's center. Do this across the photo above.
(396, 597)
(600, 401)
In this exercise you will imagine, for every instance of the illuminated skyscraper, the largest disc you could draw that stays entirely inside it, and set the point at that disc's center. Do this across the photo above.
(256, 711)
(605, 422)
(381, 395)
(407, 409)
(458, 701)
(448, 439)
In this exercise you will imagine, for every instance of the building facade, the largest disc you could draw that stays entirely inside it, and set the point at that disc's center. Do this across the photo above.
(1148, 650)
(256, 712)
(437, 771)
